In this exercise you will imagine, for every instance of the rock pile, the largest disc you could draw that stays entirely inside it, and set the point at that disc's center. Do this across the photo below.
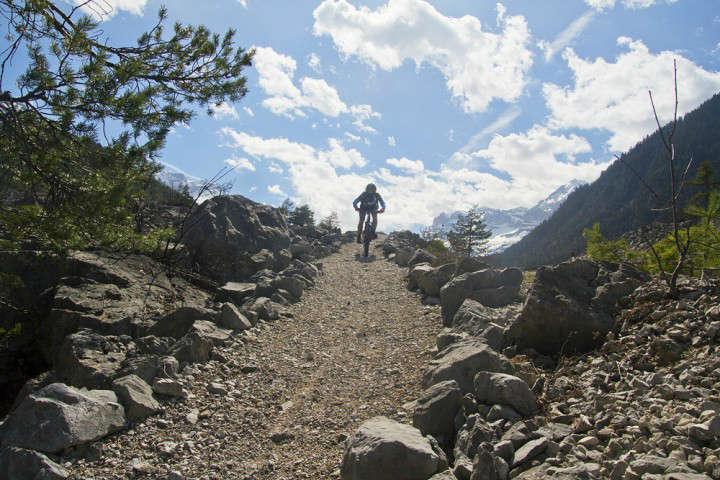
(116, 330)
(645, 405)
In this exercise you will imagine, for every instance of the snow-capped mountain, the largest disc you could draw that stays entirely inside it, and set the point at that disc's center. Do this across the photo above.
(176, 179)
(509, 226)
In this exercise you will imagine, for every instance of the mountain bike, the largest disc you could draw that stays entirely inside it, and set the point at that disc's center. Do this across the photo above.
(368, 234)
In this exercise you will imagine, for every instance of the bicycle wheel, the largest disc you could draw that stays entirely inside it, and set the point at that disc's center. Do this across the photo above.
(367, 237)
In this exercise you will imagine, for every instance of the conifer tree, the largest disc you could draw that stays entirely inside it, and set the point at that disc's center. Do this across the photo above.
(468, 237)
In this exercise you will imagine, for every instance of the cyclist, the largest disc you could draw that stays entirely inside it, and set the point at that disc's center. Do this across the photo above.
(367, 204)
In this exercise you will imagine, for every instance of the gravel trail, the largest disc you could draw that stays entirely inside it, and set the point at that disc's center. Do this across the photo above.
(355, 347)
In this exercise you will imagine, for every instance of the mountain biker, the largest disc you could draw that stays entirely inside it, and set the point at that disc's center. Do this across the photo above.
(367, 204)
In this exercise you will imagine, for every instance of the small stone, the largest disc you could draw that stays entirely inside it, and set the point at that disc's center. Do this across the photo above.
(169, 387)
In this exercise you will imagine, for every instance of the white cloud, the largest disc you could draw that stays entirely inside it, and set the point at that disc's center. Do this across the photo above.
(567, 36)
(539, 160)
(363, 114)
(353, 137)
(276, 72)
(276, 190)
(478, 65)
(338, 156)
(107, 9)
(224, 111)
(391, 141)
(632, 4)
(505, 119)
(606, 96)
(314, 62)
(240, 163)
(275, 168)
(415, 194)
(249, 111)
(405, 164)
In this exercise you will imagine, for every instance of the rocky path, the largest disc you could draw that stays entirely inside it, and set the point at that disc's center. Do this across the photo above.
(287, 394)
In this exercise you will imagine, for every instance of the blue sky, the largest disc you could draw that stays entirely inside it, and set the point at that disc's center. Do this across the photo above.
(443, 104)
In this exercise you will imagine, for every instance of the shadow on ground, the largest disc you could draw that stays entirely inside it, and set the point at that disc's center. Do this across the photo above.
(370, 258)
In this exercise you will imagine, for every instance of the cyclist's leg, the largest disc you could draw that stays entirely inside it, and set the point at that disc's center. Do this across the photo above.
(374, 222)
(361, 214)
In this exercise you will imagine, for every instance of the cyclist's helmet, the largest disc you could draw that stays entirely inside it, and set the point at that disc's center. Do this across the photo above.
(371, 188)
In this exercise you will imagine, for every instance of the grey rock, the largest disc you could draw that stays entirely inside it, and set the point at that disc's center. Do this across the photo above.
(472, 435)
(194, 347)
(383, 449)
(88, 359)
(22, 464)
(447, 337)
(505, 450)
(492, 388)
(469, 264)
(136, 396)
(232, 318)
(58, 416)
(237, 292)
(488, 466)
(566, 308)
(265, 309)
(228, 233)
(421, 256)
(446, 475)
(169, 388)
(178, 322)
(529, 451)
(461, 362)
(491, 287)
(434, 412)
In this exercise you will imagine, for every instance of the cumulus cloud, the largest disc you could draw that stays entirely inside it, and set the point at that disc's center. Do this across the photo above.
(405, 164)
(415, 194)
(314, 62)
(240, 163)
(276, 190)
(363, 114)
(478, 65)
(224, 111)
(632, 4)
(604, 96)
(391, 141)
(276, 72)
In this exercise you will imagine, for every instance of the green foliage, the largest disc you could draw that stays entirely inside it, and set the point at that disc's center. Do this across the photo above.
(601, 249)
(287, 207)
(438, 248)
(331, 223)
(79, 126)
(468, 237)
(302, 216)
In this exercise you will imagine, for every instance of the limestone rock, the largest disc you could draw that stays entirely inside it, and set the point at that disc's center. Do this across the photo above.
(383, 449)
(58, 416)
(491, 388)
(136, 396)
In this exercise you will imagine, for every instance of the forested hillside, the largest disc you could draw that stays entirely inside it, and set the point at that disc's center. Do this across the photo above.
(617, 200)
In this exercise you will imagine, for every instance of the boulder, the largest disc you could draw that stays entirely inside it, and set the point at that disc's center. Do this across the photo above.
(421, 256)
(169, 388)
(192, 348)
(178, 322)
(232, 318)
(144, 366)
(23, 464)
(471, 317)
(58, 416)
(237, 292)
(383, 449)
(434, 412)
(227, 231)
(430, 282)
(461, 361)
(469, 264)
(264, 308)
(415, 273)
(208, 330)
(491, 287)
(504, 389)
(136, 396)
(88, 359)
(529, 451)
(571, 306)
(402, 241)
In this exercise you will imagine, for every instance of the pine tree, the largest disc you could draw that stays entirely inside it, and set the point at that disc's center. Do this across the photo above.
(302, 216)
(72, 184)
(468, 237)
(331, 223)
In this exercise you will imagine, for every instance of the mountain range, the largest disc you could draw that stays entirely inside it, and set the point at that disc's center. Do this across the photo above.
(510, 226)
(618, 200)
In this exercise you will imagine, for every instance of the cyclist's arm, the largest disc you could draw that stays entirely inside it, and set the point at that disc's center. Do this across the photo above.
(382, 202)
(357, 201)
